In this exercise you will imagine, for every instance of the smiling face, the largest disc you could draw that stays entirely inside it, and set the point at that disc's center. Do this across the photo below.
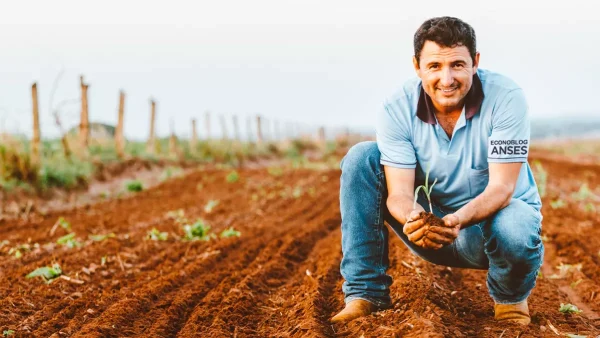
(446, 74)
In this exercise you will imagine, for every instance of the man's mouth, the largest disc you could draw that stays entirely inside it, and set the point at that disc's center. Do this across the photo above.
(448, 90)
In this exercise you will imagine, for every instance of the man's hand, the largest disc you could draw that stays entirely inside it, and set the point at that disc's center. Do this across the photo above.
(431, 236)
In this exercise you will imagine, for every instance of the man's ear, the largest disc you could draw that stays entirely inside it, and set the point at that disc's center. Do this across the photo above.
(416, 65)
(476, 62)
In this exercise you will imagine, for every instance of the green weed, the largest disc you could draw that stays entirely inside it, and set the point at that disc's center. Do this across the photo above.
(100, 238)
(208, 208)
(69, 241)
(557, 204)
(232, 177)
(7, 333)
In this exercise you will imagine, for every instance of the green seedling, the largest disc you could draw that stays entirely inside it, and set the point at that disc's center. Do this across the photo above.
(557, 204)
(156, 235)
(7, 333)
(574, 284)
(545, 238)
(100, 238)
(69, 241)
(590, 207)
(198, 231)
(572, 335)
(569, 308)
(4, 243)
(103, 261)
(134, 186)
(18, 250)
(564, 269)
(208, 208)
(583, 194)
(232, 177)
(427, 191)
(541, 176)
(230, 232)
(47, 273)
(64, 224)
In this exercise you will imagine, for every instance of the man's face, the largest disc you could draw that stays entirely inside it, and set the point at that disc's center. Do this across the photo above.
(446, 74)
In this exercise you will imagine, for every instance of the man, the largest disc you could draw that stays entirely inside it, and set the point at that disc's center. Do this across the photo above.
(470, 128)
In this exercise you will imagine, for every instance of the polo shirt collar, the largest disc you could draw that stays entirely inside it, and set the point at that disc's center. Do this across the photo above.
(473, 100)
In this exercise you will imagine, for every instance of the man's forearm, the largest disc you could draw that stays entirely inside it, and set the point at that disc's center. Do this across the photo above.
(400, 207)
(490, 201)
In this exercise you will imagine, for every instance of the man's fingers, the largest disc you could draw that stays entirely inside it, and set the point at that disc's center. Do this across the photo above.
(411, 227)
(414, 215)
(439, 239)
(431, 245)
(416, 235)
(446, 232)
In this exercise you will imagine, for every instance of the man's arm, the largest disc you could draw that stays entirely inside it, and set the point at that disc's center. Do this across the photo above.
(497, 195)
(400, 185)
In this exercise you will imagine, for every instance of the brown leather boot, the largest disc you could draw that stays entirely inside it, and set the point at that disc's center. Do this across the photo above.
(516, 313)
(354, 309)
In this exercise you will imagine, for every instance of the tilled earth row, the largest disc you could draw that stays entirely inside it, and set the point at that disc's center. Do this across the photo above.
(281, 277)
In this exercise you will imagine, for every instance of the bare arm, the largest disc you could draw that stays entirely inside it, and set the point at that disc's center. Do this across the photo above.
(497, 194)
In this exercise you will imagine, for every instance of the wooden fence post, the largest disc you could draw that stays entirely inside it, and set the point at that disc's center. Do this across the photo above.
(194, 139)
(224, 135)
(259, 136)
(207, 124)
(84, 126)
(172, 140)
(151, 145)
(119, 138)
(35, 142)
(236, 128)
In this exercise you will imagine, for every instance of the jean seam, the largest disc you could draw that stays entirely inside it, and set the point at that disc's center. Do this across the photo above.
(378, 226)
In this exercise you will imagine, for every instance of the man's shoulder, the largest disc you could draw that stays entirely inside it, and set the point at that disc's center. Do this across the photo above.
(496, 83)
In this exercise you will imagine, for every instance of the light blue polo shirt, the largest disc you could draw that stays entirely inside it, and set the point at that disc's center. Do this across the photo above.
(494, 126)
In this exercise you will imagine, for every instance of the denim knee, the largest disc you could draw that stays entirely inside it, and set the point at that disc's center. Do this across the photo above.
(515, 234)
(362, 156)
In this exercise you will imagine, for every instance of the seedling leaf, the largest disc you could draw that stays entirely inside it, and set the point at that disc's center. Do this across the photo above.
(7, 333)
(134, 186)
(69, 241)
(47, 273)
(156, 235)
(232, 177)
(208, 208)
(100, 238)
(198, 231)
(230, 232)
(569, 308)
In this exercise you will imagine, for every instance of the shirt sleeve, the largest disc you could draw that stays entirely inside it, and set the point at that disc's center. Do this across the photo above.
(510, 136)
(393, 139)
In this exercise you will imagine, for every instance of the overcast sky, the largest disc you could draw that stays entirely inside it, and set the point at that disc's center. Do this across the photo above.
(317, 62)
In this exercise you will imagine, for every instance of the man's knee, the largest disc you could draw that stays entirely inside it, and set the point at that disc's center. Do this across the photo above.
(514, 234)
(362, 156)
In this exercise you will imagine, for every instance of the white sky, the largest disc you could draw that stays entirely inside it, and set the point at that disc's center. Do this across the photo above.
(317, 62)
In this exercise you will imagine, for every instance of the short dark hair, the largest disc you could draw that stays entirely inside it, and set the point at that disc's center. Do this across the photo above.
(446, 31)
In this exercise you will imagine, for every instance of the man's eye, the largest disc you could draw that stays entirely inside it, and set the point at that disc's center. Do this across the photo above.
(458, 65)
(434, 67)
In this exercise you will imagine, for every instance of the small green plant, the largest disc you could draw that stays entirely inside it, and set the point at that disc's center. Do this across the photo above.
(4, 243)
(541, 176)
(69, 241)
(64, 224)
(575, 283)
(569, 308)
(7, 333)
(590, 207)
(230, 232)
(100, 238)
(583, 194)
(557, 204)
(232, 177)
(47, 273)
(297, 192)
(208, 208)
(18, 250)
(198, 231)
(156, 235)
(134, 186)
(103, 260)
(572, 335)
(427, 191)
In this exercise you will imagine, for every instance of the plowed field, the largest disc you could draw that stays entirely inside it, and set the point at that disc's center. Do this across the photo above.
(281, 277)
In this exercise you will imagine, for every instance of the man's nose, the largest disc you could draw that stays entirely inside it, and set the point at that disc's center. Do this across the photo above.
(447, 79)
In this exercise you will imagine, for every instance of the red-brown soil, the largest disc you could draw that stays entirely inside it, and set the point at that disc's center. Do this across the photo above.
(281, 277)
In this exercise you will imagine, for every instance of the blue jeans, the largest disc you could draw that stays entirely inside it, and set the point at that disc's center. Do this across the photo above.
(508, 244)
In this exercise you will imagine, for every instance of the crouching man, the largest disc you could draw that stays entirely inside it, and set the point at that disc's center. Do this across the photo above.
(470, 127)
